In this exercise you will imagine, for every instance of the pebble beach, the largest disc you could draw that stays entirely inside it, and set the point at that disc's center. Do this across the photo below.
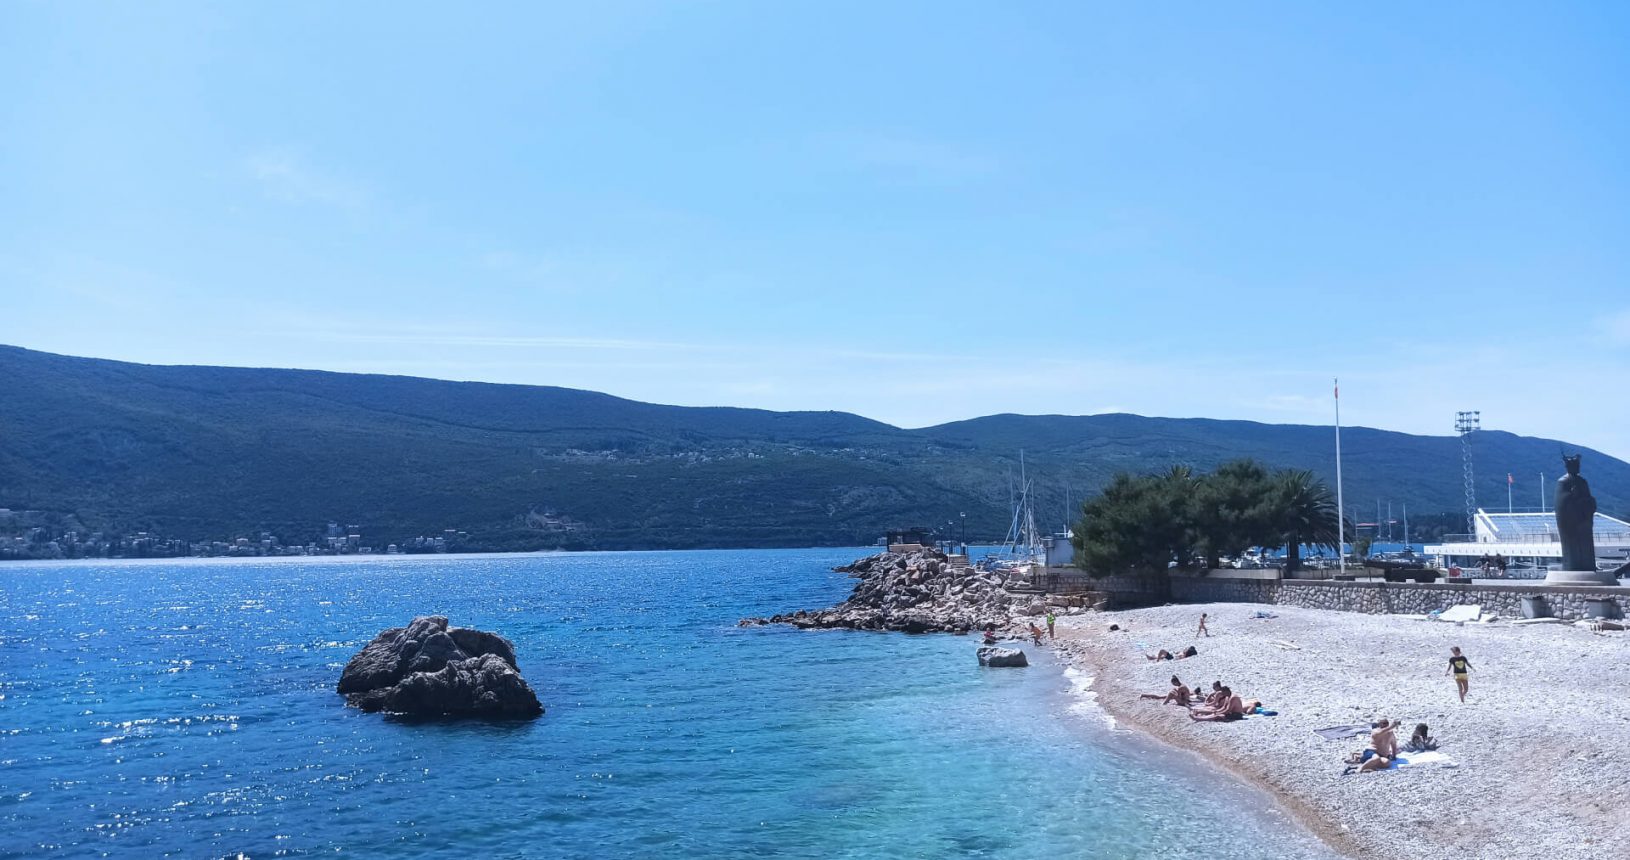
(1535, 764)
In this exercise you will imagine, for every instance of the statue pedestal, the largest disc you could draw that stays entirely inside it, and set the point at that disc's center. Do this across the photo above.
(1579, 577)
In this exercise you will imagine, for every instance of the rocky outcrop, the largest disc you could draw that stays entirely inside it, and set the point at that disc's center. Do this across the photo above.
(918, 592)
(430, 669)
(999, 658)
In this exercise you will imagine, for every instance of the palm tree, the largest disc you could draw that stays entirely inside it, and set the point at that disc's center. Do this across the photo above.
(1306, 514)
(1179, 484)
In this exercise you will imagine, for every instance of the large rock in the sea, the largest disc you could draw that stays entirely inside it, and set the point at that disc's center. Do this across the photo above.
(428, 669)
(999, 658)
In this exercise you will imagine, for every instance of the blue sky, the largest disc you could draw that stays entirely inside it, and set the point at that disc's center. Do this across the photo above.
(915, 211)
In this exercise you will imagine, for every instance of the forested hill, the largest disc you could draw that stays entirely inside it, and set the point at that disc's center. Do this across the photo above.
(213, 452)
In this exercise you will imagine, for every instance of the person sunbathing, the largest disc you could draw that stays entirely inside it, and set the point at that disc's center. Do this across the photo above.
(1383, 748)
(1421, 740)
(1231, 709)
(1218, 698)
(1162, 655)
(1179, 694)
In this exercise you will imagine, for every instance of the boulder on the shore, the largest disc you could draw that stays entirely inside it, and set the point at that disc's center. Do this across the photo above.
(1001, 658)
(428, 669)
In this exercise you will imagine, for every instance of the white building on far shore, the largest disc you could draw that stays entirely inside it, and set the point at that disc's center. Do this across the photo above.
(1529, 537)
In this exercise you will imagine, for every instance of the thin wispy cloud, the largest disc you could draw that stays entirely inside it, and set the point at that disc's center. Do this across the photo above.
(1616, 327)
(921, 157)
(284, 176)
(499, 341)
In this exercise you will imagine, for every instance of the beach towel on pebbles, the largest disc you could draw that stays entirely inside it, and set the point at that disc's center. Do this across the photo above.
(1336, 733)
(1461, 612)
(1423, 758)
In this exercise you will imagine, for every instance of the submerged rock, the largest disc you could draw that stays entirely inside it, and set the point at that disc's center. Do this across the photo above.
(429, 669)
(999, 658)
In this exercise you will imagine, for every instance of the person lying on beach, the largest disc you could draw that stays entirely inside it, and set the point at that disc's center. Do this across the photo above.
(1179, 694)
(1163, 654)
(1421, 741)
(1233, 710)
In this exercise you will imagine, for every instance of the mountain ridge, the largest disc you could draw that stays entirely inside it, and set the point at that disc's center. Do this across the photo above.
(205, 452)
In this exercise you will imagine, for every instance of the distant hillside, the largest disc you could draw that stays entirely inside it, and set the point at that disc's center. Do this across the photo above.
(213, 452)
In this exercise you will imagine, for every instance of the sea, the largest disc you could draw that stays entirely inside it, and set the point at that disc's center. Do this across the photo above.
(186, 708)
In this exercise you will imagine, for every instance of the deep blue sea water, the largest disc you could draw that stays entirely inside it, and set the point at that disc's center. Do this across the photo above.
(187, 709)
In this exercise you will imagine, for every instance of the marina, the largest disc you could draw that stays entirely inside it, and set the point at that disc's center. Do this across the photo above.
(1529, 543)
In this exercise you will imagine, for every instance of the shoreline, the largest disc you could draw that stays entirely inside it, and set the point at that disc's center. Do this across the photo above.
(1195, 763)
(1534, 749)
(1121, 714)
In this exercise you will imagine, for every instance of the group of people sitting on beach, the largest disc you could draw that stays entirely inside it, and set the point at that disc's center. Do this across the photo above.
(1222, 704)
(1383, 747)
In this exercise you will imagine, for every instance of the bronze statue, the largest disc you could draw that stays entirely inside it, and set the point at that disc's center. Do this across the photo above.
(1576, 518)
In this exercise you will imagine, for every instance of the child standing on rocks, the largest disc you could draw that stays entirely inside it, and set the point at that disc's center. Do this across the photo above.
(1461, 667)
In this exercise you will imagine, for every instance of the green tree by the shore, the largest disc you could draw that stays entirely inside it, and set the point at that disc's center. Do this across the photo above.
(1305, 512)
(1145, 523)
(1138, 523)
(1234, 508)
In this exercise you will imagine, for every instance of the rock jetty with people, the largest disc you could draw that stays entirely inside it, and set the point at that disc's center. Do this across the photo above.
(428, 669)
(915, 592)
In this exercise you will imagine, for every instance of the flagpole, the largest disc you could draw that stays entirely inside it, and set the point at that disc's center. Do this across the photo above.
(1341, 509)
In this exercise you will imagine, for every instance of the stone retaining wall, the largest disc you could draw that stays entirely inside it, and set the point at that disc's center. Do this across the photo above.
(1375, 598)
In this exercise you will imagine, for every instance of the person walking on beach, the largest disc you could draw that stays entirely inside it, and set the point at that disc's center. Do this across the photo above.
(1050, 619)
(1461, 667)
(1202, 629)
(1035, 632)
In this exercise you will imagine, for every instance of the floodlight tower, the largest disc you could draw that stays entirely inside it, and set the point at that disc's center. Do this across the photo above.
(1467, 423)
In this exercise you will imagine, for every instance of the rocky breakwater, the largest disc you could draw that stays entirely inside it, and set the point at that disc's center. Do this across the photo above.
(916, 592)
(428, 669)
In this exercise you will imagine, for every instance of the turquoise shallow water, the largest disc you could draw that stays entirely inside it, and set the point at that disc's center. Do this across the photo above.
(187, 709)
